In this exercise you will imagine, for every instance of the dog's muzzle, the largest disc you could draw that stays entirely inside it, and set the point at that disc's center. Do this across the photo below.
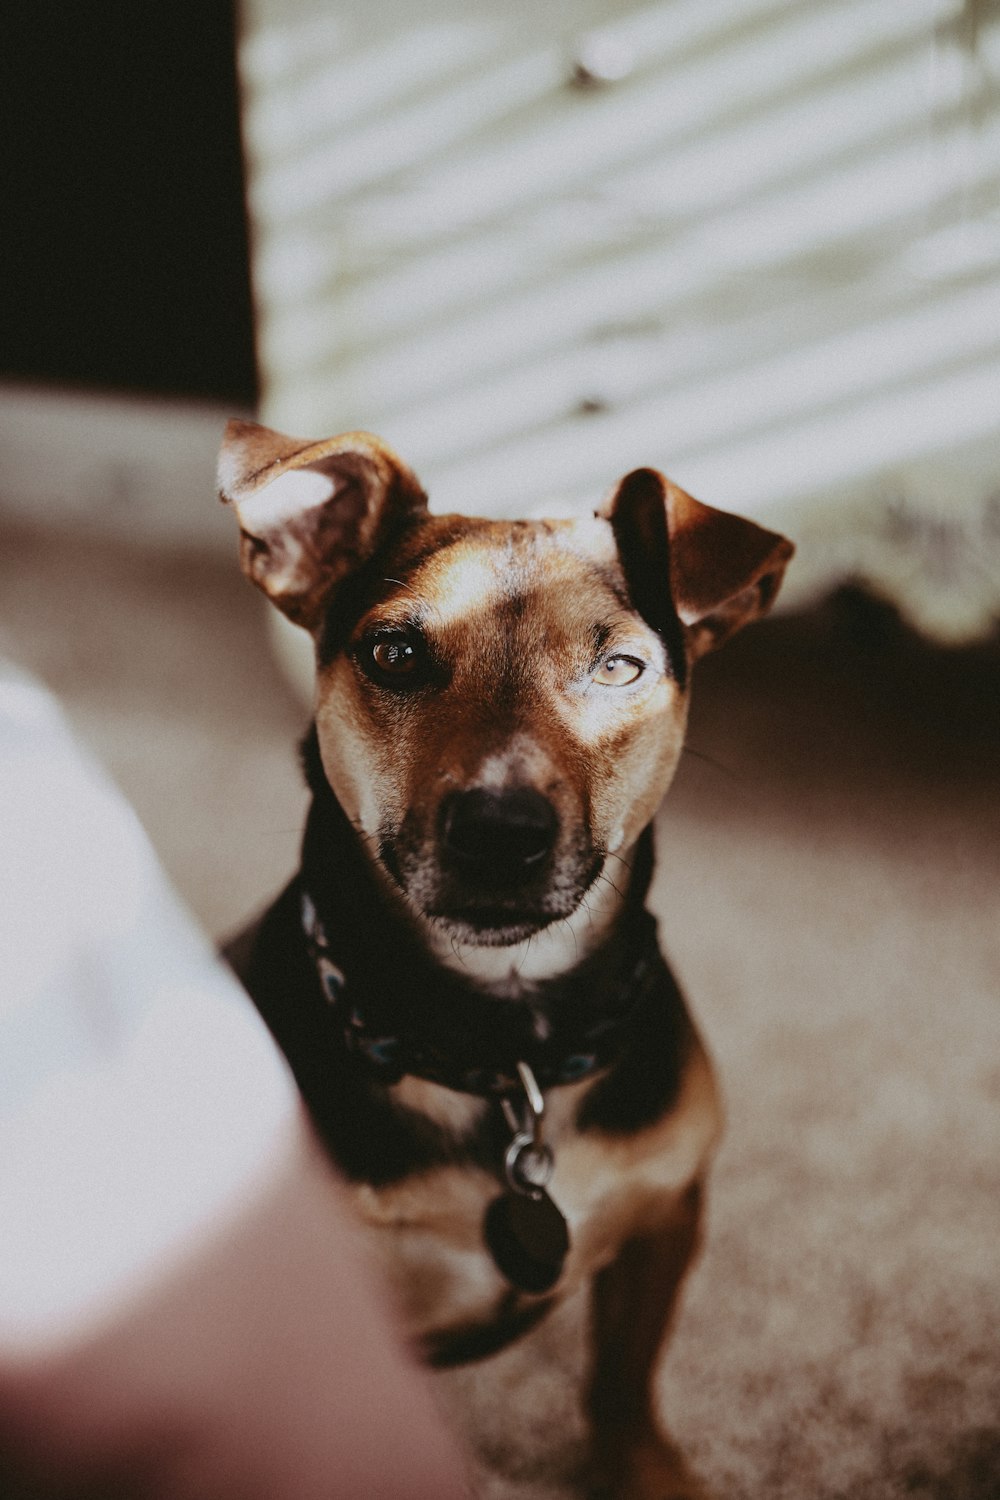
(494, 866)
(496, 840)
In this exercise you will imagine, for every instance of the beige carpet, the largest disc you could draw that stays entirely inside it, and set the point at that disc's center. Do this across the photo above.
(828, 884)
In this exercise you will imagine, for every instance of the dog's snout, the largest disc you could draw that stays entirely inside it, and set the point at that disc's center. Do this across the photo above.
(497, 838)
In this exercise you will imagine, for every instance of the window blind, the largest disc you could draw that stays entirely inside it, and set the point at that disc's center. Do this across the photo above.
(752, 242)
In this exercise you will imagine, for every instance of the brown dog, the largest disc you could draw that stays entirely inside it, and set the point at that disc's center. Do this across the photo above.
(463, 975)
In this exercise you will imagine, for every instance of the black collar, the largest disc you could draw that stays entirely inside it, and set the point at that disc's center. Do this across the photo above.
(567, 1032)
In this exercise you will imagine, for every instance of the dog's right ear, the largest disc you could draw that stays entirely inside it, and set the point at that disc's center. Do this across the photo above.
(689, 566)
(311, 512)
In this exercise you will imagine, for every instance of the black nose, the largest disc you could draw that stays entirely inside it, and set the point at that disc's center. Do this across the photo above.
(497, 838)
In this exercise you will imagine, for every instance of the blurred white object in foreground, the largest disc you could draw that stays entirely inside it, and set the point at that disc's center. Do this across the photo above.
(183, 1308)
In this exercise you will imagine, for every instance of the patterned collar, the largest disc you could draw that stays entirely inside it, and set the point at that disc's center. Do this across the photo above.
(561, 1048)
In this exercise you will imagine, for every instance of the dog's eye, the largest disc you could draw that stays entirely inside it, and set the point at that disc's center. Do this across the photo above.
(618, 671)
(396, 656)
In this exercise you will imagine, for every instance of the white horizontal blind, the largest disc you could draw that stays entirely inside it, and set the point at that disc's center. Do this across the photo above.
(753, 242)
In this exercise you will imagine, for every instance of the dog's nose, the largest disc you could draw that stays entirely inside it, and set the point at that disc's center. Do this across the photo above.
(497, 838)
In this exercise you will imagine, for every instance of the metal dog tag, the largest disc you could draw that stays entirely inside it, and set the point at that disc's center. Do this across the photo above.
(524, 1230)
(528, 1163)
(527, 1238)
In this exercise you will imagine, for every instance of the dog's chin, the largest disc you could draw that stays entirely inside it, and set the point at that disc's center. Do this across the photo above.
(490, 929)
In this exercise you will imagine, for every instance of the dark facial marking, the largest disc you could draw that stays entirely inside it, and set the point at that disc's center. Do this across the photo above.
(643, 540)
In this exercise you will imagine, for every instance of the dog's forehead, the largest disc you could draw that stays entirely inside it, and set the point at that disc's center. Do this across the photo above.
(460, 565)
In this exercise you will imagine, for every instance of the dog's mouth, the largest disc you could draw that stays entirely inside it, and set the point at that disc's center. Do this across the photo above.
(484, 922)
(497, 870)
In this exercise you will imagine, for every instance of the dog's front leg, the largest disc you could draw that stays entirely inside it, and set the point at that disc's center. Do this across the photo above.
(633, 1303)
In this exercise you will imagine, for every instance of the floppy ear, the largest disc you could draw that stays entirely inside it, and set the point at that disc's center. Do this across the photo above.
(685, 562)
(311, 512)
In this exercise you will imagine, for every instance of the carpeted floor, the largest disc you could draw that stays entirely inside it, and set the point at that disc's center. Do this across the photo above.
(829, 873)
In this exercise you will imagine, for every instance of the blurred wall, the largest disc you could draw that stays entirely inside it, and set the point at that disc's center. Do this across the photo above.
(753, 242)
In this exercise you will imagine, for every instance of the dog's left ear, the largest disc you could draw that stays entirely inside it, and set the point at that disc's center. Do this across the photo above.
(713, 571)
(311, 512)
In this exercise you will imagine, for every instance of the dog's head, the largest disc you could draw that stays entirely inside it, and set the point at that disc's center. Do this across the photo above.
(500, 705)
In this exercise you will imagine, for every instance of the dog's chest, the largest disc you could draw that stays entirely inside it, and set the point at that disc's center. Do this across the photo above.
(427, 1230)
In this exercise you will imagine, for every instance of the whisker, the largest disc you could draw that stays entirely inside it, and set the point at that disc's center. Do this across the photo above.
(404, 585)
(608, 881)
(621, 860)
(369, 838)
(576, 941)
(431, 608)
(715, 764)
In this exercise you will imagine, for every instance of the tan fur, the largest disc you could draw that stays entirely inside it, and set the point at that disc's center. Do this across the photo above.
(517, 614)
(611, 1190)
